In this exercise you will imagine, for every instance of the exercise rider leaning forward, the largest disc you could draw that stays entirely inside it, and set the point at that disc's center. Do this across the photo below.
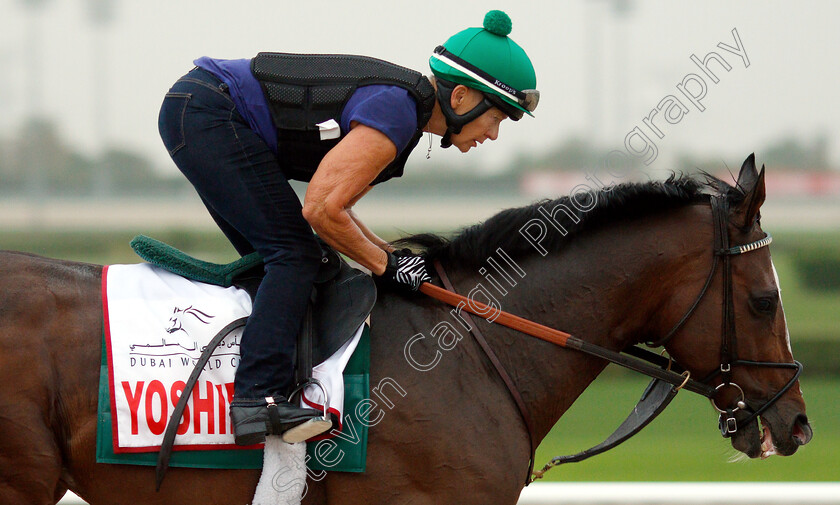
(240, 129)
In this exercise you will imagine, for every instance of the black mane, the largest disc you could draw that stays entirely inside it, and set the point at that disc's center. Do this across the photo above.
(472, 245)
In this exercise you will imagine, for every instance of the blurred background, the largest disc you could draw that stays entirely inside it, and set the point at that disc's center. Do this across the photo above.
(82, 169)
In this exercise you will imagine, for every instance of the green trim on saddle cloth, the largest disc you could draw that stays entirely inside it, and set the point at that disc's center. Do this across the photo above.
(169, 258)
(345, 453)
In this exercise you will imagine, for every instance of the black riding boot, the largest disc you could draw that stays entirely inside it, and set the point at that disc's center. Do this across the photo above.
(254, 418)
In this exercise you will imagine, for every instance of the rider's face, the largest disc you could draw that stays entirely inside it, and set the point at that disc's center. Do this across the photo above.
(484, 127)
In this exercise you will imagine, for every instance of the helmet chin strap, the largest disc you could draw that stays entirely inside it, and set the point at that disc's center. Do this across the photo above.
(455, 122)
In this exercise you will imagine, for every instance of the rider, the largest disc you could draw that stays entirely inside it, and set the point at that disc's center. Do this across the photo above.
(239, 129)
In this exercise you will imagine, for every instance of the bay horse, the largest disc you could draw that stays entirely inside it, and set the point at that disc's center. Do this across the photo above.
(616, 266)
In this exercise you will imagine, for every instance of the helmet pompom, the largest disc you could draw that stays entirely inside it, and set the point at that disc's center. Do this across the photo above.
(498, 23)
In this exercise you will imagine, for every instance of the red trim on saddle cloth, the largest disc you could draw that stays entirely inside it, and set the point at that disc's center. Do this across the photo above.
(107, 330)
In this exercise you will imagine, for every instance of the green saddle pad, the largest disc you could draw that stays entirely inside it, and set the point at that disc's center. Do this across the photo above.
(345, 453)
(169, 258)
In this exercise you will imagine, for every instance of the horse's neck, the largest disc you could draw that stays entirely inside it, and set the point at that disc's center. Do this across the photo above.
(605, 288)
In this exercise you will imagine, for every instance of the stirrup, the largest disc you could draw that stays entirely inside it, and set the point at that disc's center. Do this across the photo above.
(312, 427)
(312, 380)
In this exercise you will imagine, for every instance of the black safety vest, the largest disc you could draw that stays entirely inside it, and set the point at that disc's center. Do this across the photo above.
(304, 90)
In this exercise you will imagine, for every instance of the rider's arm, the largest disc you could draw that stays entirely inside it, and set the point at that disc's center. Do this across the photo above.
(373, 237)
(343, 176)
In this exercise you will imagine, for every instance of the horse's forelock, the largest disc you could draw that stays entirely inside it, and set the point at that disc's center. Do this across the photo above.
(733, 193)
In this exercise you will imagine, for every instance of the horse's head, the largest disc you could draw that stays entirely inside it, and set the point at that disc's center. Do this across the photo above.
(737, 338)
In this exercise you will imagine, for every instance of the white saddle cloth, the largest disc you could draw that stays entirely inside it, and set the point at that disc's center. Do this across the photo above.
(156, 326)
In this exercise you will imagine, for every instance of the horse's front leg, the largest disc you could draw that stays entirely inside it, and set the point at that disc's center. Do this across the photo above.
(30, 460)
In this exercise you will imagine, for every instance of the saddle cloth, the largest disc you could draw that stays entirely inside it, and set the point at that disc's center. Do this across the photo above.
(156, 326)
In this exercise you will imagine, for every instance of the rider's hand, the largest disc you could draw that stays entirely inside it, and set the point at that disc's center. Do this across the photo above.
(406, 269)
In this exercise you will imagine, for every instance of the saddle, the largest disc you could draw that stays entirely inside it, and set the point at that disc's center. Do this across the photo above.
(341, 300)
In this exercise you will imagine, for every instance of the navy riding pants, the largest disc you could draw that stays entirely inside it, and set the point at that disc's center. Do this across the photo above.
(240, 181)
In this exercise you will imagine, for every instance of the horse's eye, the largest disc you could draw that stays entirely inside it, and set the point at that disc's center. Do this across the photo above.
(764, 305)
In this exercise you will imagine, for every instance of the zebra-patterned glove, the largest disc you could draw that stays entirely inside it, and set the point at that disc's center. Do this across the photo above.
(406, 269)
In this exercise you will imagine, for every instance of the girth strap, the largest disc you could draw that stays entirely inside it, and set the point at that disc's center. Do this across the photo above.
(500, 369)
(172, 425)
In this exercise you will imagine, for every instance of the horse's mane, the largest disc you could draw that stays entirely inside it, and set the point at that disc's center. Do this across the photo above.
(472, 245)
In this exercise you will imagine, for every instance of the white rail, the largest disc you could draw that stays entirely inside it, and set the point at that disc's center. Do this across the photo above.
(665, 493)
(662, 493)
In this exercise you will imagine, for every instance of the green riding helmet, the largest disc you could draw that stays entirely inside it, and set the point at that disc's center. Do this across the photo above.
(487, 60)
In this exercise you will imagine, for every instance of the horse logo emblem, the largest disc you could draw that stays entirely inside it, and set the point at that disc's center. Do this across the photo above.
(176, 322)
(184, 325)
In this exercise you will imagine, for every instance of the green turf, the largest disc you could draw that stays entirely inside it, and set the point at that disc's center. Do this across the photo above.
(684, 443)
(109, 247)
(810, 313)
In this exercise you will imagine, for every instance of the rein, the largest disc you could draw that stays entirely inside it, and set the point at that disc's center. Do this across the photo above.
(636, 358)
(641, 361)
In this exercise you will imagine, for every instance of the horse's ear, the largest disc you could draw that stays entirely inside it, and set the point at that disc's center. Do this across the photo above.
(751, 182)
(748, 174)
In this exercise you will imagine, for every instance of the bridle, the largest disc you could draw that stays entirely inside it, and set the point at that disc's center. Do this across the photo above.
(728, 350)
(663, 370)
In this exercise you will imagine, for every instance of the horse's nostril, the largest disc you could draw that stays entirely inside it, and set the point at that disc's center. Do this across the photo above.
(802, 431)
